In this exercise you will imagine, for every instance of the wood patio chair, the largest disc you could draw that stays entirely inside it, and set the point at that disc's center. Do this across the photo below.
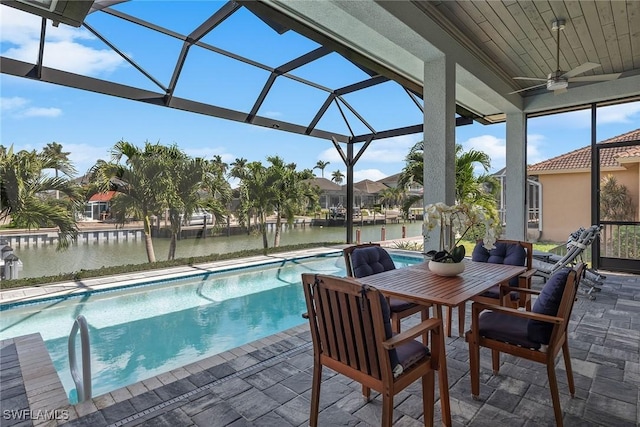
(511, 252)
(369, 258)
(351, 333)
(538, 335)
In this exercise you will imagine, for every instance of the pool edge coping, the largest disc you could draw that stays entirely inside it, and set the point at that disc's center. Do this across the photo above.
(14, 297)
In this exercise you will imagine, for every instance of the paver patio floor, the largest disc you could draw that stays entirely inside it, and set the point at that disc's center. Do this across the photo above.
(270, 385)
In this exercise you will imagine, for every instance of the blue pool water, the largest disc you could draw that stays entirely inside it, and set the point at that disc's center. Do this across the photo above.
(140, 332)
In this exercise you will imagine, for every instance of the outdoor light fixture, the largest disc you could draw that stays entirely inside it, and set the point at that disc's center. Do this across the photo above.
(70, 12)
(558, 24)
(557, 84)
(556, 81)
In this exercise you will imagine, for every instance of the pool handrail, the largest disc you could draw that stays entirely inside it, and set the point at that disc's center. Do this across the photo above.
(83, 384)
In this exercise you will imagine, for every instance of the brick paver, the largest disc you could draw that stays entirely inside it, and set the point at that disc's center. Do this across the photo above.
(268, 383)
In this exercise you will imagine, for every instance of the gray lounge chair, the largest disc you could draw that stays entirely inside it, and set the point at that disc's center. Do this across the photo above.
(547, 263)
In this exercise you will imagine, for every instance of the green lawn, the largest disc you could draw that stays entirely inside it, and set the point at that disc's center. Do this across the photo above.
(539, 246)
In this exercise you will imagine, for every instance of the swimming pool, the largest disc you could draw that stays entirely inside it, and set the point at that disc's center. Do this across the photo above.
(145, 330)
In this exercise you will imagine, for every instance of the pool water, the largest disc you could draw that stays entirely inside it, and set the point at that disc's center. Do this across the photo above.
(143, 331)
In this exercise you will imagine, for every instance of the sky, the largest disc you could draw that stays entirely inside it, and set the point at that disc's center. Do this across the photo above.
(33, 114)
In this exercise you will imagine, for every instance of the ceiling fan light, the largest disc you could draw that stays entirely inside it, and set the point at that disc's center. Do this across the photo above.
(557, 84)
(558, 24)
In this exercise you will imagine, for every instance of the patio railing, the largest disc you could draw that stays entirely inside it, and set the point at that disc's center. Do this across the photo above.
(620, 239)
(617, 240)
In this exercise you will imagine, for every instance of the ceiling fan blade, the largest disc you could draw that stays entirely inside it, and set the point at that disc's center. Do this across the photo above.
(598, 78)
(559, 91)
(587, 66)
(527, 88)
(530, 78)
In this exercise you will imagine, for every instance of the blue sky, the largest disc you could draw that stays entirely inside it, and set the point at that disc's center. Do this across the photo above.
(34, 114)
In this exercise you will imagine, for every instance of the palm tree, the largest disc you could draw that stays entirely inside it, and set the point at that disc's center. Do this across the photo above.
(23, 193)
(54, 151)
(392, 196)
(197, 184)
(256, 194)
(615, 202)
(308, 173)
(321, 165)
(141, 182)
(472, 189)
(238, 168)
(469, 188)
(181, 195)
(413, 171)
(217, 189)
(337, 177)
(291, 192)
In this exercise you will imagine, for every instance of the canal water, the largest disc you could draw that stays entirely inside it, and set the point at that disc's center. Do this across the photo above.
(46, 261)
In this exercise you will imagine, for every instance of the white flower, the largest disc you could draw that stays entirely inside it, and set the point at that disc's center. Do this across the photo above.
(458, 220)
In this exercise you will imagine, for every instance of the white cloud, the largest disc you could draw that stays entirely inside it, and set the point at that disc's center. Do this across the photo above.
(13, 103)
(491, 145)
(21, 31)
(618, 113)
(372, 174)
(40, 112)
(534, 143)
(331, 155)
(390, 150)
(18, 107)
(84, 156)
(581, 119)
(496, 149)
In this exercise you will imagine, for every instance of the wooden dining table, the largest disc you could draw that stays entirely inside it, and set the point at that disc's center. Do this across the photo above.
(418, 284)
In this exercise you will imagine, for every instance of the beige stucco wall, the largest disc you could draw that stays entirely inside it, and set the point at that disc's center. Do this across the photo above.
(566, 204)
(566, 200)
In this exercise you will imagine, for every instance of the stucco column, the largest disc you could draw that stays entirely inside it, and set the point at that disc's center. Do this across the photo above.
(516, 178)
(439, 135)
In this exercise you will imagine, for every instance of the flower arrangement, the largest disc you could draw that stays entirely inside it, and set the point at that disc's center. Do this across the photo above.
(458, 220)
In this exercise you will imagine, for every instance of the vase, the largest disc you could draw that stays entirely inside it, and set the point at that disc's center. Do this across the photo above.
(446, 268)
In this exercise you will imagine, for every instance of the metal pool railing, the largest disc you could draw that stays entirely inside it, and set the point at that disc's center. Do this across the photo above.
(83, 384)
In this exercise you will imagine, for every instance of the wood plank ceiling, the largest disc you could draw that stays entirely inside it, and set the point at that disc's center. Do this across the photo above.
(516, 36)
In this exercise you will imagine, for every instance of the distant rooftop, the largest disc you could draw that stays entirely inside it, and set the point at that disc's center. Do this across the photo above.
(368, 186)
(581, 158)
(102, 197)
(325, 184)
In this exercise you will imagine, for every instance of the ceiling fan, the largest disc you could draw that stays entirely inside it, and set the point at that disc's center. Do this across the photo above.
(559, 80)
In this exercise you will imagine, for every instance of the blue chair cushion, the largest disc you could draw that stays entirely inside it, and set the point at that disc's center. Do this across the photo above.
(503, 253)
(370, 260)
(397, 305)
(405, 355)
(506, 328)
(411, 352)
(388, 332)
(548, 303)
(494, 292)
(374, 259)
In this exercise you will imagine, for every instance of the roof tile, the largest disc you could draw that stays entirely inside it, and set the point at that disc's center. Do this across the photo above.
(581, 158)
(102, 197)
